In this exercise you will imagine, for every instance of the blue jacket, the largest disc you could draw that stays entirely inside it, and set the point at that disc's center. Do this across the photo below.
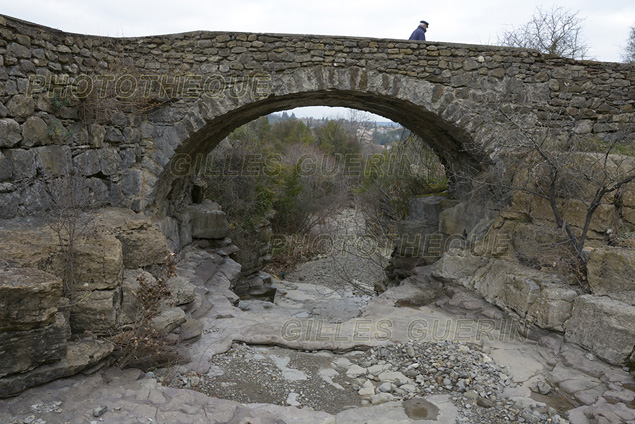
(418, 34)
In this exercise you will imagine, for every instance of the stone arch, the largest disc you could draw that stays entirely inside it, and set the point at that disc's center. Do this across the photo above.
(450, 126)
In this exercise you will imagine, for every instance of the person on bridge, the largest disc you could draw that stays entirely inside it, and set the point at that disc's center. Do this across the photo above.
(420, 32)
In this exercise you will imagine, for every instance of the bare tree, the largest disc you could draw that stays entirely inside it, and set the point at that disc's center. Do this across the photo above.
(628, 55)
(555, 31)
(573, 175)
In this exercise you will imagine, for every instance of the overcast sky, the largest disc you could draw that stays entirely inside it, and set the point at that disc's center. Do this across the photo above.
(605, 27)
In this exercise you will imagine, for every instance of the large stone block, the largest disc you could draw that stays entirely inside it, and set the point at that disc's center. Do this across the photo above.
(426, 209)
(96, 311)
(23, 350)
(552, 308)
(10, 132)
(28, 244)
(24, 162)
(79, 355)
(28, 298)
(517, 293)
(611, 272)
(34, 132)
(465, 218)
(168, 319)
(536, 241)
(490, 281)
(131, 307)
(458, 269)
(115, 238)
(183, 292)
(97, 258)
(208, 221)
(143, 246)
(98, 262)
(573, 210)
(21, 106)
(142, 241)
(537, 296)
(604, 326)
(54, 160)
(6, 168)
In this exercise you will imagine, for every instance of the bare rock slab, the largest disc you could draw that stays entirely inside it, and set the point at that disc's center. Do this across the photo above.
(23, 350)
(80, 355)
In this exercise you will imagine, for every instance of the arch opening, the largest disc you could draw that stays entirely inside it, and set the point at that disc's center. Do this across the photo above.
(329, 194)
(454, 146)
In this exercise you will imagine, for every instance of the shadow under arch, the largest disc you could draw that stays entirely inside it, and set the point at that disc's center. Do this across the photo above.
(454, 146)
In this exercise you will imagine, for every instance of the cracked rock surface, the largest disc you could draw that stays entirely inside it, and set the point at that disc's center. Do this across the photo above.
(294, 361)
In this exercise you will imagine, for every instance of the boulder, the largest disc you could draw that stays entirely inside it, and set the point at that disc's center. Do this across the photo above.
(518, 293)
(611, 272)
(183, 292)
(28, 298)
(208, 221)
(573, 210)
(191, 330)
(168, 319)
(23, 350)
(604, 326)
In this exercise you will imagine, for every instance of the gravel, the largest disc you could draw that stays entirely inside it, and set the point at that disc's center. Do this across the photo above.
(331, 382)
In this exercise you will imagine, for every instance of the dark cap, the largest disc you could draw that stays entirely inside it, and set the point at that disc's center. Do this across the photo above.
(424, 22)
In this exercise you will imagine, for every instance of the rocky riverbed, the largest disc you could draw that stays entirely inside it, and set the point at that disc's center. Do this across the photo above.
(335, 355)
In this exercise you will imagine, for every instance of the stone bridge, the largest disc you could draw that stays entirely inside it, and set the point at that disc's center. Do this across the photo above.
(136, 116)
